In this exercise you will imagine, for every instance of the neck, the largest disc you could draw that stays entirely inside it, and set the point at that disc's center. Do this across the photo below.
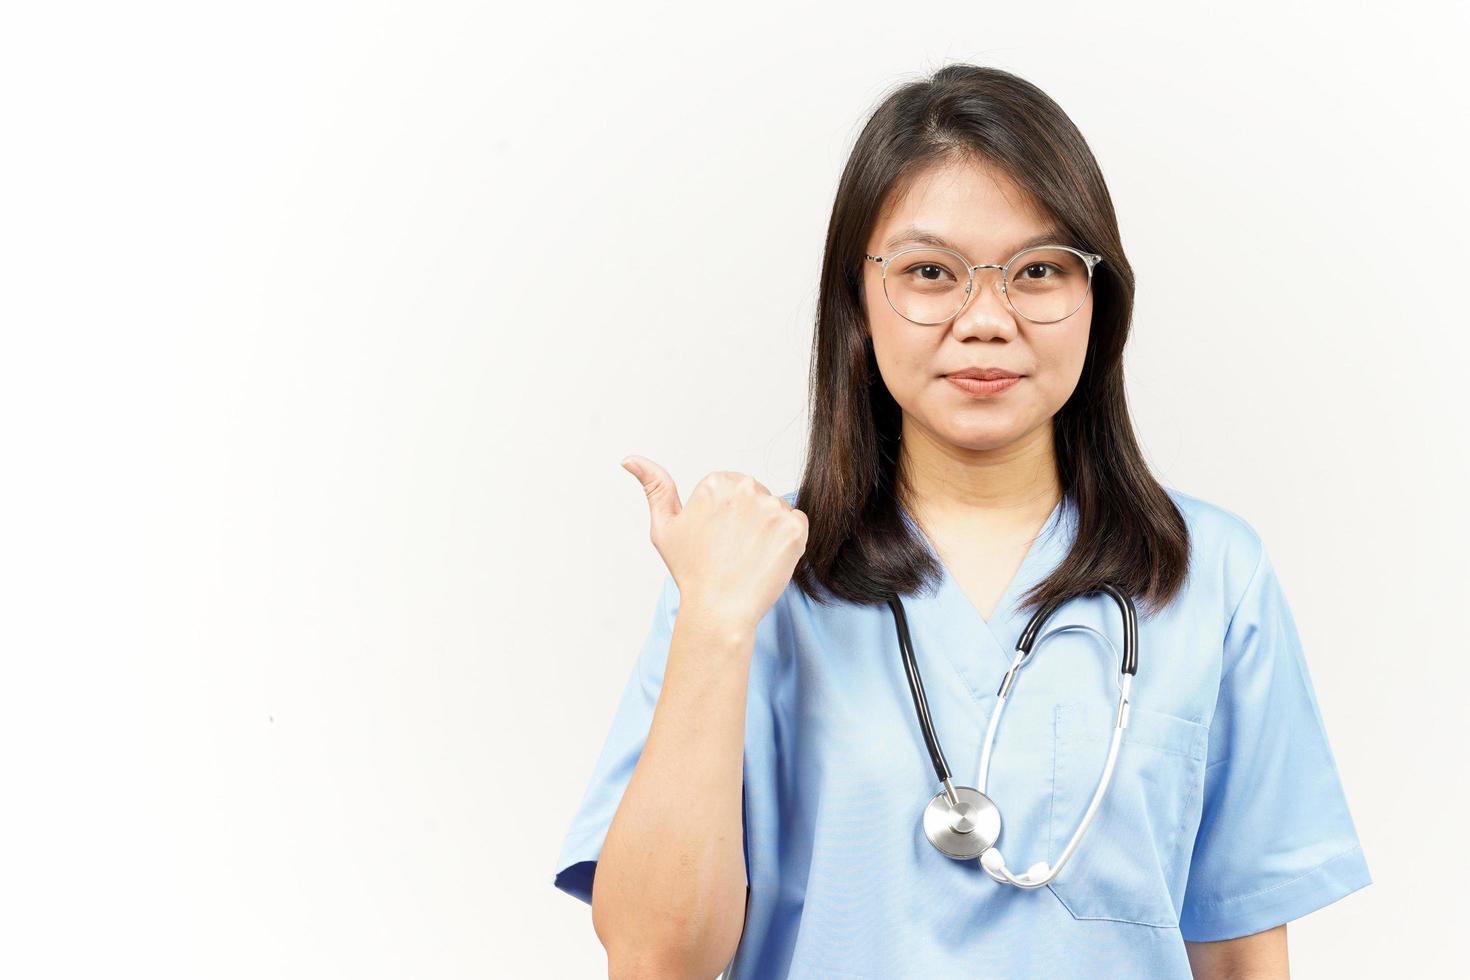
(1014, 484)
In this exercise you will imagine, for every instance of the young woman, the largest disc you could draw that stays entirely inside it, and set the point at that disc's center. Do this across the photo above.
(768, 799)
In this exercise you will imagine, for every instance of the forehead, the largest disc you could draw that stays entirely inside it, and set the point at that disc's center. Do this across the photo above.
(971, 206)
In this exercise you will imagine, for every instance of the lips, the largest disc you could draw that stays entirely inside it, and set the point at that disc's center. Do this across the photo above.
(982, 374)
(983, 387)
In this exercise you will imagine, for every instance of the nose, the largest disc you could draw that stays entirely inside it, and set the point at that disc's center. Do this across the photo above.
(986, 313)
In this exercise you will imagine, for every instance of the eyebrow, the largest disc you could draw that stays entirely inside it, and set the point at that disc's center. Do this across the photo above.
(920, 236)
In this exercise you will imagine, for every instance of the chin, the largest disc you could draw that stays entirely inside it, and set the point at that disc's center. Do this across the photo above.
(982, 438)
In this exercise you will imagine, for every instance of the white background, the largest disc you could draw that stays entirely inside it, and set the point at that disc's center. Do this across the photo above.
(325, 327)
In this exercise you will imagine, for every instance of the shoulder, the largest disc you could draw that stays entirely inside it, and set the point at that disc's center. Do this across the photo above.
(1223, 545)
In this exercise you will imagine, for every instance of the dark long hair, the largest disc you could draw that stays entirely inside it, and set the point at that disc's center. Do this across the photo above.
(859, 549)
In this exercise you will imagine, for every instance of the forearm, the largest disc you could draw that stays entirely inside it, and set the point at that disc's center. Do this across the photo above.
(668, 897)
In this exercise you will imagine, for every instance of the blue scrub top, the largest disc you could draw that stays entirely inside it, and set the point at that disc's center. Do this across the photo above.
(1226, 814)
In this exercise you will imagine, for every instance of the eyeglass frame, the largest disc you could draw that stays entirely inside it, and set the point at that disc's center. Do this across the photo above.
(1091, 258)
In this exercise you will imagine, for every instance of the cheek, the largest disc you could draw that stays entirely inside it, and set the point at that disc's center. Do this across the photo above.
(903, 356)
(1060, 356)
(902, 351)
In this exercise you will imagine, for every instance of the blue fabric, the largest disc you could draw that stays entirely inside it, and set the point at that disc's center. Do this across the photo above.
(1226, 815)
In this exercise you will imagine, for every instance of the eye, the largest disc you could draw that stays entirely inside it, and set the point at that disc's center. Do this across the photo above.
(928, 271)
(1038, 267)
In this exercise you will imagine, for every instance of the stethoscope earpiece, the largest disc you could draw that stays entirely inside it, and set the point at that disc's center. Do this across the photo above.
(961, 821)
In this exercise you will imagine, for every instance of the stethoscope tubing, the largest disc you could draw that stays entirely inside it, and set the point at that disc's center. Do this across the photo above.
(916, 689)
(990, 858)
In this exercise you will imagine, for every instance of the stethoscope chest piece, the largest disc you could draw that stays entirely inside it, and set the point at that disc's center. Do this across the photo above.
(966, 830)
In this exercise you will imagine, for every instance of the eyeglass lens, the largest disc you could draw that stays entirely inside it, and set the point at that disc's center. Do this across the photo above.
(928, 285)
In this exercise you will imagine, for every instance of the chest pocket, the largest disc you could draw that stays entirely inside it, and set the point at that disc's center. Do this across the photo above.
(1129, 864)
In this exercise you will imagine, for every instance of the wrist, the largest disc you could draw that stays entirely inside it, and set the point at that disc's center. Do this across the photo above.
(715, 623)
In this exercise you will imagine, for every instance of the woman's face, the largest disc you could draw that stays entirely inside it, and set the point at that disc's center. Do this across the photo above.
(985, 217)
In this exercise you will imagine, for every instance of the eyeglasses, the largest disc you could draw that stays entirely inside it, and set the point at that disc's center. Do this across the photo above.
(923, 285)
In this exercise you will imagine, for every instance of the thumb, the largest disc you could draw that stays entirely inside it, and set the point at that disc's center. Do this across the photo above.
(658, 486)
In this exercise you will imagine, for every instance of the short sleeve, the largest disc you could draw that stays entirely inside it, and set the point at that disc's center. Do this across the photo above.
(577, 862)
(1275, 840)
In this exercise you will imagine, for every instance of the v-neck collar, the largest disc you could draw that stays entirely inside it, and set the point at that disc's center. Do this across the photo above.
(973, 645)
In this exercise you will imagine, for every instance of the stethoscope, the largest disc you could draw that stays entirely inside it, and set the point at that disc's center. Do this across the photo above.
(964, 823)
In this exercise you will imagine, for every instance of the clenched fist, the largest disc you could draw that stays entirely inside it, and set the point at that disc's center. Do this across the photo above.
(731, 548)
